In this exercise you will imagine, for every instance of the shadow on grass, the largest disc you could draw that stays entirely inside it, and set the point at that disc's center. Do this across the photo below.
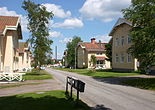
(139, 82)
(114, 80)
(41, 103)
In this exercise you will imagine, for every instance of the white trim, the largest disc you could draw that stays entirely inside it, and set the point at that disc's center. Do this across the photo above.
(117, 41)
(128, 56)
(82, 46)
(128, 36)
(118, 23)
(122, 41)
(116, 59)
(122, 56)
(11, 27)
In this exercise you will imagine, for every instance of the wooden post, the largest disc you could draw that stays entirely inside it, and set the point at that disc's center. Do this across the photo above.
(66, 86)
(77, 91)
(71, 89)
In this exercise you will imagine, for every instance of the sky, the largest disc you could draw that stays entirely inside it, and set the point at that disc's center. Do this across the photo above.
(84, 18)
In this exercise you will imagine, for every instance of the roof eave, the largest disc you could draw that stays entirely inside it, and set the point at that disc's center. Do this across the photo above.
(119, 23)
(14, 28)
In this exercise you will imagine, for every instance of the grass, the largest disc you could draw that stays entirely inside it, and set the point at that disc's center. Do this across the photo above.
(51, 100)
(98, 73)
(37, 75)
(17, 85)
(143, 83)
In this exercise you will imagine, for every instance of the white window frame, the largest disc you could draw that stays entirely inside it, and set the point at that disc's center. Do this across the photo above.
(122, 40)
(122, 59)
(117, 42)
(129, 37)
(116, 58)
(129, 55)
(99, 53)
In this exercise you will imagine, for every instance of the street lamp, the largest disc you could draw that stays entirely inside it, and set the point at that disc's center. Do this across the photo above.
(75, 57)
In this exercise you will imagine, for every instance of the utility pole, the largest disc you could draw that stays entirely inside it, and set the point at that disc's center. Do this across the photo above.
(75, 57)
(56, 54)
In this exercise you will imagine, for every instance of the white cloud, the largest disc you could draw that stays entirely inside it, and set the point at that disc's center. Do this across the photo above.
(24, 23)
(105, 10)
(69, 24)
(5, 12)
(55, 34)
(66, 40)
(103, 38)
(57, 10)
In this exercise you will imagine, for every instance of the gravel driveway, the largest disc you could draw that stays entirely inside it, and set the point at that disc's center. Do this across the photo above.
(47, 85)
(105, 95)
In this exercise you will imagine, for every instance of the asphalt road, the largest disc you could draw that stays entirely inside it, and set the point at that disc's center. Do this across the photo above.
(107, 96)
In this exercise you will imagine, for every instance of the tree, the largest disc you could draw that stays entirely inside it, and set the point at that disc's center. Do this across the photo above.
(142, 15)
(49, 61)
(38, 20)
(71, 46)
(93, 60)
(108, 48)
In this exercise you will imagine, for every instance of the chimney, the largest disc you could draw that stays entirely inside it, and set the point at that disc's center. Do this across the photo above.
(93, 41)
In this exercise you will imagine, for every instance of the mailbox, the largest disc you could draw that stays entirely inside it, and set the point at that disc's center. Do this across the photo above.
(81, 86)
(75, 83)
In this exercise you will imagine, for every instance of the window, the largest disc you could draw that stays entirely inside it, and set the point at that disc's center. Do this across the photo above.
(117, 42)
(116, 58)
(99, 53)
(122, 40)
(129, 39)
(129, 58)
(122, 58)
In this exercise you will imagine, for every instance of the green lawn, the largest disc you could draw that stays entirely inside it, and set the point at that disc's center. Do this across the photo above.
(98, 73)
(143, 83)
(51, 100)
(17, 85)
(37, 75)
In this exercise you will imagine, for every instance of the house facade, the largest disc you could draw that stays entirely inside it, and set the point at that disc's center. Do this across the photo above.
(24, 56)
(10, 33)
(121, 41)
(84, 52)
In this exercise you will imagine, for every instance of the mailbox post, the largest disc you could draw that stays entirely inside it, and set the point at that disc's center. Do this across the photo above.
(66, 86)
(76, 84)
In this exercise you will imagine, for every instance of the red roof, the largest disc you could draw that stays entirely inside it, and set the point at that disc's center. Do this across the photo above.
(93, 46)
(7, 21)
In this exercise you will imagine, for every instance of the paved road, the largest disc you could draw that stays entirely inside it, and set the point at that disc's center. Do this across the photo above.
(108, 96)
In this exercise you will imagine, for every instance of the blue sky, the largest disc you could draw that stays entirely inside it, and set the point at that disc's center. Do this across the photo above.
(83, 18)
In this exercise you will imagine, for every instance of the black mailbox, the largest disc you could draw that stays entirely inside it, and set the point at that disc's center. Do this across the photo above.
(75, 83)
(81, 86)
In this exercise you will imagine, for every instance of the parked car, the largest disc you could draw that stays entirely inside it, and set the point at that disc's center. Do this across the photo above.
(42, 68)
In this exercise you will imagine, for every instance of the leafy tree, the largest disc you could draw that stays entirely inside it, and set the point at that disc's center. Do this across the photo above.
(108, 48)
(38, 19)
(93, 60)
(142, 15)
(71, 46)
(49, 61)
